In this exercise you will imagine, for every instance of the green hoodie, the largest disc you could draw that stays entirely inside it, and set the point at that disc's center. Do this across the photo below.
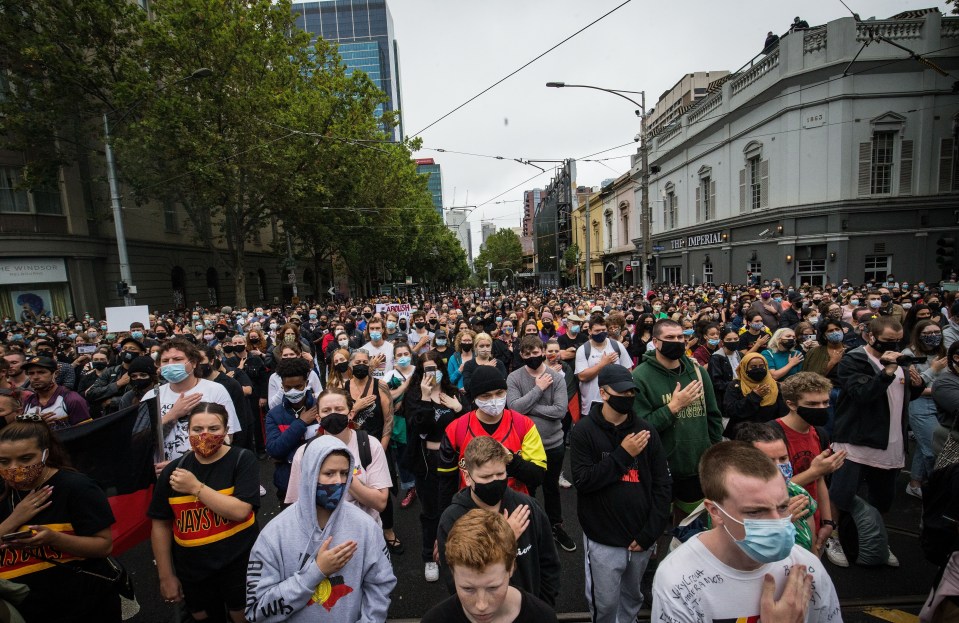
(690, 432)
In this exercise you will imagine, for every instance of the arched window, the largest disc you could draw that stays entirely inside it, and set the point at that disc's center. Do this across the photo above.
(213, 286)
(178, 283)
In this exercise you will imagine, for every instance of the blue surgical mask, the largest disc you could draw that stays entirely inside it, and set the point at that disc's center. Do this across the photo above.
(404, 362)
(778, 299)
(137, 335)
(329, 496)
(689, 332)
(714, 343)
(834, 336)
(499, 319)
(756, 325)
(439, 375)
(174, 372)
(312, 316)
(574, 329)
(766, 540)
(854, 302)
(390, 325)
(442, 342)
(376, 336)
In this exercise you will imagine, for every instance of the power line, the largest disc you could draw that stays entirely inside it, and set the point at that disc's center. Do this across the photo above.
(524, 66)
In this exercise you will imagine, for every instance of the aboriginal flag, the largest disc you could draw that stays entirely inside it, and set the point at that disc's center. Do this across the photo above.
(117, 451)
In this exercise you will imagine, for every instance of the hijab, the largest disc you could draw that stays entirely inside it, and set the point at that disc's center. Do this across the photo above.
(747, 385)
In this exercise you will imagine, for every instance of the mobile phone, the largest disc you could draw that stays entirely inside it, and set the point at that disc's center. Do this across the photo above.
(86, 349)
(16, 536)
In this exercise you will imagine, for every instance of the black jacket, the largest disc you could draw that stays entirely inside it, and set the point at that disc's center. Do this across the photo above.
(721, 374)
(740, 409)
(537, 563)
(620, 499)
(862, 411)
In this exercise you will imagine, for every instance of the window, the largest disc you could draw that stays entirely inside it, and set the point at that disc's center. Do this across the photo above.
(670, 208)
(624, 228)
(755, 183)
(705, 196)
(881, 175)
(812, 272)
(609, 231)
(170, 222)
(708, 272)
(948, 166)
(12, 198)
(754, 272)
(672, 274)
(877, 267)
(43, 199)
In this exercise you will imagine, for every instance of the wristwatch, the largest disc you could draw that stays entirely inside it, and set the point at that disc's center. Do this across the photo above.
(829, 522)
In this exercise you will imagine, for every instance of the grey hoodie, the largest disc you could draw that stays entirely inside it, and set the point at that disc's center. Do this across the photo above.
(283, 581)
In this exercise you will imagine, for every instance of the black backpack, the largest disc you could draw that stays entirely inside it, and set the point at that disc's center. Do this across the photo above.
(939, 536)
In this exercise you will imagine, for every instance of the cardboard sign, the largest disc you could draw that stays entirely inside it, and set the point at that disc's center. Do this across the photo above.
(119, 319)
(402, 310)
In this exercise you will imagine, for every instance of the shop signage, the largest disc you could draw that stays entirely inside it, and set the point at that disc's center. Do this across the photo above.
(698, 240)
(32, 270)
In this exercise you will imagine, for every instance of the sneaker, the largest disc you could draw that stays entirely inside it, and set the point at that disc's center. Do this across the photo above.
(431, 572)
(564, 540)
(892, 561)
(915, 492)
(409, 498)
(565, 484)
(262, 490)
(835, 554)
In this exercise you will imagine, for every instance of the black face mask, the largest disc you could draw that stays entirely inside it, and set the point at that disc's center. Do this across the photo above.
(99, 365)
(141, 384)
(161, 336)
(533, 363)
(419, 325)
(756, 374)
(128, 356)
(490, 493)
(814, 416)
(204, 370)
(787, 344)
(466, 347)
(342, 367)
(335, 423)
(619, 404)
(361, 371)
(600, 337)
(672, 350)
(220, 335)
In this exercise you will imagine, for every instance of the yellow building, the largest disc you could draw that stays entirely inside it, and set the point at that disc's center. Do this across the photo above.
(589, 201)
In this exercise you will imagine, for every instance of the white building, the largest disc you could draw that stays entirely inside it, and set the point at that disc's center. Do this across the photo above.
(456, 223)
(810, 167)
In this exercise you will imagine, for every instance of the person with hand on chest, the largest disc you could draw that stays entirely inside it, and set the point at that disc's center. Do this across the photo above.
(114, 381)
(291, 423)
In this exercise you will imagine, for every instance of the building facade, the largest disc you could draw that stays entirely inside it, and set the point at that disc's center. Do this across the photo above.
(429, 167)
(487, 229)
(363, 31)
(456, 222)
(687, 91)
(619, 226)
(813, 164)
(553, 223)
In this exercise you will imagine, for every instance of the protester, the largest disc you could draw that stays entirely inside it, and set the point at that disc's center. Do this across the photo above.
(58, 406)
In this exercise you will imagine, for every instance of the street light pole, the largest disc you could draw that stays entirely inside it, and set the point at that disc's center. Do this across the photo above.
(589, 234)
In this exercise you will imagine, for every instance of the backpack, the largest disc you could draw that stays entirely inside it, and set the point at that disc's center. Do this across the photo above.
(938, 536)
(587, 349)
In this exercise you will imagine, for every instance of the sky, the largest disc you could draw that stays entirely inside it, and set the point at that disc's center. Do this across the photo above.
(450, 50)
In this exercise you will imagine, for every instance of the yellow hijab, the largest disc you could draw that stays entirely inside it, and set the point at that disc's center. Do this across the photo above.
(748, 385)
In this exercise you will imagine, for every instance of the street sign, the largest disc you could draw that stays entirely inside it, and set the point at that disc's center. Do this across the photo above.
(628, 268)
(634, 263)
(658, 247)
(291, 277)
(409, 280)
(331, 291)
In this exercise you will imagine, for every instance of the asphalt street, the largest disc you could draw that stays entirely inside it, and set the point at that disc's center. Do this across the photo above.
(859, 588)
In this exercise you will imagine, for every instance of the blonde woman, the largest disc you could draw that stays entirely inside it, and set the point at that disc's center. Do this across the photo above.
(340, 373)
(483, 347)
(782, 356)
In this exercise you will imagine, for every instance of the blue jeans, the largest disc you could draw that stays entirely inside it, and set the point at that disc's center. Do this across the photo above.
(922, 421)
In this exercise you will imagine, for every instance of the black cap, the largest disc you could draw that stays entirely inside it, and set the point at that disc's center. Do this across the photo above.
(486, 379)
(440, 334)
(143, 364)
(133, 340)
(616, 377)
(40, 362)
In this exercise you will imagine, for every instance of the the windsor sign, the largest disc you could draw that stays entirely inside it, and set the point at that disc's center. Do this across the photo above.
(698, 240)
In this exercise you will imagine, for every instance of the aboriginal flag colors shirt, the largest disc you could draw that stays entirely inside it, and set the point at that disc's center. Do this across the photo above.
(204, 542)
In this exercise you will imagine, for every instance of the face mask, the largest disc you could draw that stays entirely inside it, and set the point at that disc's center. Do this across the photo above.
(600, 337)
(884, 347)
(23, 476)
(656, 308)
(390, 325)
(672, 350)
(404, 362)
(874, 304)
(367, 315)
(161, 336)
(329, 496)
(90, 334)
(834, 337)
(312, 316)
(195, 317)
(141, 384)
(361, 370)
(931, 341)
(756, 374)
(419, 325)
(342, 366)
(334, 423)
(376, 336)
(99, 365)
(490, 493)
(466, 347)
(574, 329)
(493, 406)
(533, 363)
(154, 356)
(507, 330)
(441, 342)
(128, 356)
(294, 395)
(786, 469)
(756, 325)
(778, 299)
(689, 332)
(402, 325)
(174, 372)
(713, 343)
(766, 540)
(206, 444)
(619, 404)
(787, 344)
(731, 346)
(854, 302)
(204, 370)
(813, 416)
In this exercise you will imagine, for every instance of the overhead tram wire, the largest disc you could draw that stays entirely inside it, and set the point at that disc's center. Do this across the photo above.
(524, 66)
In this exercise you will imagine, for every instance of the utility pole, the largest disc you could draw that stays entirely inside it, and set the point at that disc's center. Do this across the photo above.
(589, 234)
(290, 263)
(126, 277)
(645, 214)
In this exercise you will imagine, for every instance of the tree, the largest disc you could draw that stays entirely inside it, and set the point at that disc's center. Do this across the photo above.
(502, 249)
(571, 260)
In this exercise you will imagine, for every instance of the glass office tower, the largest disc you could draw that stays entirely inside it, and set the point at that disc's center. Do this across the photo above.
(363, 30)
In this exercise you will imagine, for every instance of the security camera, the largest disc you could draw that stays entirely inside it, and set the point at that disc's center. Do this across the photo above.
(637, 137)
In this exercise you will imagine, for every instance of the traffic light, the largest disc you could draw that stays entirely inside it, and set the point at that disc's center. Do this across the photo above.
(651, 268)
(946, 252)
(122, 289)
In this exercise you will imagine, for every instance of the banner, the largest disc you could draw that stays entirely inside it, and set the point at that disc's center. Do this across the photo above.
(402, 310)
(119, 319)
(117, 452)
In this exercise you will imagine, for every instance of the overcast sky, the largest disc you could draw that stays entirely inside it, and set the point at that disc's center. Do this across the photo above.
(450, 50)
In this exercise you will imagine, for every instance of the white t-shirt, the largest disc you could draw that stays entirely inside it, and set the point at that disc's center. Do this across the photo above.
(691, 585)
(382, 372)
(375, 476)
(274, 395)
(177, 441)
(414, 339)
(589, 390)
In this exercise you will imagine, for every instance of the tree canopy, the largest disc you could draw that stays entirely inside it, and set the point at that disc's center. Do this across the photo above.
(504, 251)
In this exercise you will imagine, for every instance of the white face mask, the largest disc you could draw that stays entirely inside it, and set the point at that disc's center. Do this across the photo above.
(493, 406)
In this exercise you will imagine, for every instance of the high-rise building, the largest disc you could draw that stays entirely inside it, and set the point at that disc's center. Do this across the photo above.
(435, 181)
(687, 91)
(488, 229)
(457, 223)
(363, 30)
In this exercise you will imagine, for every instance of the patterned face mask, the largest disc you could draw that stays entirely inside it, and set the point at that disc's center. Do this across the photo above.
(206, 444)
(23, 476)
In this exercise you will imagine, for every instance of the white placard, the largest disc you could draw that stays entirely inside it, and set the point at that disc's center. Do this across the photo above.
(30, 270)
(402, 310)
(119, 319)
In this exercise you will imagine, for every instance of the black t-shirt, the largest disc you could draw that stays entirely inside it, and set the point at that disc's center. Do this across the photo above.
(204, 542)
(78, 506)
(532, 610)
(566, 342)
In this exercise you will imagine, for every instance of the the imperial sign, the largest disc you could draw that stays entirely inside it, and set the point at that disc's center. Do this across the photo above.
(696, 241)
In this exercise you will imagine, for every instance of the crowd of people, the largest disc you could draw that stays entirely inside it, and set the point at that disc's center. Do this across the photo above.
(736, 434)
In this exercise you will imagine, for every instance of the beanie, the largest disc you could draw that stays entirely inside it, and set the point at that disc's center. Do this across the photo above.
(143, 364)
(486, 379)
